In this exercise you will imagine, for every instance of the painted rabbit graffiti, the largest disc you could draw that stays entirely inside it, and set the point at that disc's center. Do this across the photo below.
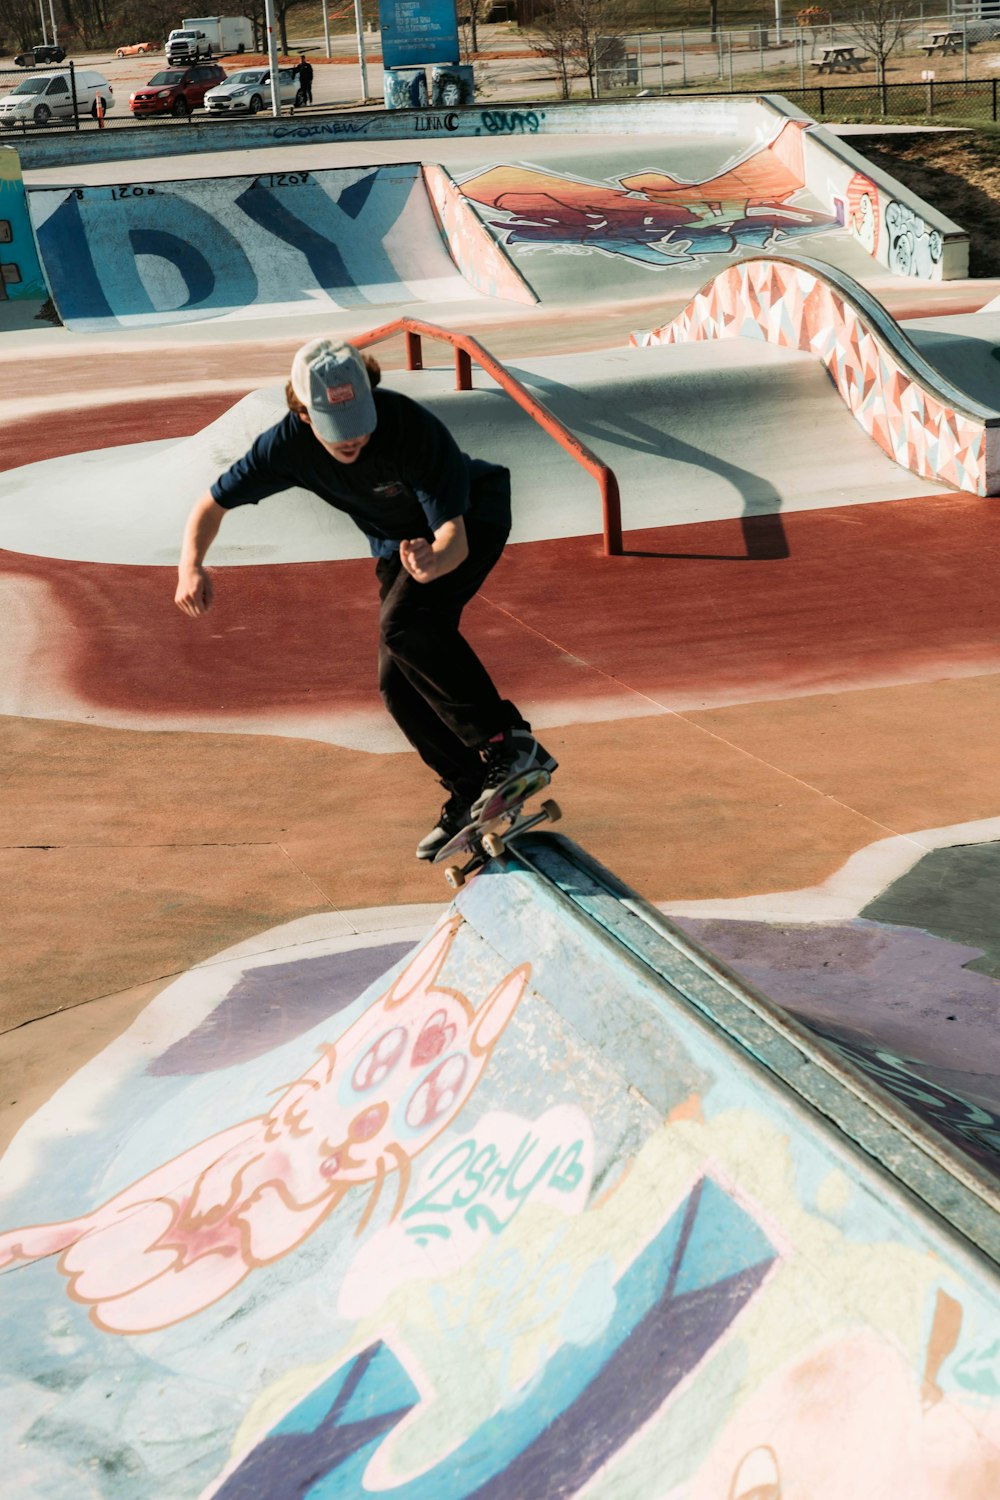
(185, 1235)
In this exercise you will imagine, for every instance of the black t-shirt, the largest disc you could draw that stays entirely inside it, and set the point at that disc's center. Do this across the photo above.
(410, 477)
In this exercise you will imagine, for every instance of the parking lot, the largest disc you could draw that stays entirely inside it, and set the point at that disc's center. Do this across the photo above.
(335, 82)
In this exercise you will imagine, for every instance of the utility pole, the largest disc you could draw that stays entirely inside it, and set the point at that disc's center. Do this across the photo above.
(272, 58)
(362, 63)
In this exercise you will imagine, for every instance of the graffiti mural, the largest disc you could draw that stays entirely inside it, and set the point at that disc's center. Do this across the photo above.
(914, 248)
(191, 1231)
(482, 261)
(863, 212)
(519, 1231)
(910, 247)
(139, 253)
(813, 309)
(20, 274)
(670, 1307)
(650, 217)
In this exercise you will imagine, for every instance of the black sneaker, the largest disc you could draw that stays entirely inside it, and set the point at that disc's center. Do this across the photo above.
(455, 814)
(511, 754)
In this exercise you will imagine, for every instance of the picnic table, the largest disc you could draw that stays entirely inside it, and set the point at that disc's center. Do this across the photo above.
(946, 41)
(838, 55)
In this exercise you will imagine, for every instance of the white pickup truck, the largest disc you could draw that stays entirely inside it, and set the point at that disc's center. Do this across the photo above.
(209, 36)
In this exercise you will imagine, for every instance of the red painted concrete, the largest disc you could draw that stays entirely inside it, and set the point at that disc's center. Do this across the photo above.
(865, 594)
(32, 439)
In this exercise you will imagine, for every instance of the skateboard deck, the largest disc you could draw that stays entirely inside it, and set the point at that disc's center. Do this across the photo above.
(501, 818)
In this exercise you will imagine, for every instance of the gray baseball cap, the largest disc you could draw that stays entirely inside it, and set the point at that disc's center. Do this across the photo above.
(331, 380)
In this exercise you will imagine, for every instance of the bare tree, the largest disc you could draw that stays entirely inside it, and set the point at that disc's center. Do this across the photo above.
(19, 23)
(554, 41)
(582, 38)
(473, 14)
(879, 26)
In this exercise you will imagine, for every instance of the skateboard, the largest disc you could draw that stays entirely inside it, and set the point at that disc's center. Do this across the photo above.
(500, 819)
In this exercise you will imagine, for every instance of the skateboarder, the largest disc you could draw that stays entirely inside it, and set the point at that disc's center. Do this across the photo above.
(436, 522)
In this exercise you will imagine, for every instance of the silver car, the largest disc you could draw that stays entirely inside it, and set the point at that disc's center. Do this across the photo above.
(250, 90)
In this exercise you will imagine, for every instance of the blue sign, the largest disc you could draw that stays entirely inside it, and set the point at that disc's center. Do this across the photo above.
(418, 31)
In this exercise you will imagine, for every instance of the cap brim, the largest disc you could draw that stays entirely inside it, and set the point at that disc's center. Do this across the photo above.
(355, 419)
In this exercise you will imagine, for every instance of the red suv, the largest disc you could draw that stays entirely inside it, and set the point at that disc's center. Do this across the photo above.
(176, 91)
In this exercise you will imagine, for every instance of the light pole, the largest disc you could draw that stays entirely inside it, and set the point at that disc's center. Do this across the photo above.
(41, 17)
(272, 58)
(777, 21)
(361, 51)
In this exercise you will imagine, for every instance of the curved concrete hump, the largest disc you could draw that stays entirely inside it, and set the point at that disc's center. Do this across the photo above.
(907, 405)
(144, 253)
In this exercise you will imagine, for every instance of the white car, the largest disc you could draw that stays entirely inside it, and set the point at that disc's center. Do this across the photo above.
(250, 89)
(45, 97)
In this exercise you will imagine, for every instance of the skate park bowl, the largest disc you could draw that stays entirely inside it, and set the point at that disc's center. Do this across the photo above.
(528, 206)
(662, 1162)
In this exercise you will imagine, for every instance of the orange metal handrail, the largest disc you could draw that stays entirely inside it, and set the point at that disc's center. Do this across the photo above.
(468, 349)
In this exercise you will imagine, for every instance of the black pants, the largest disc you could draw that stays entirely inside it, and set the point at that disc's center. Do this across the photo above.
(431, 680)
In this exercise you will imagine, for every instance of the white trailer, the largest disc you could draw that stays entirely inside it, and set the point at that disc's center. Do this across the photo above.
(209, 36)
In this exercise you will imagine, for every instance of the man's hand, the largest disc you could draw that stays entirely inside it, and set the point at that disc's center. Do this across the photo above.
(420, 560)
(426, 561)
(194, 591)
(194, 584)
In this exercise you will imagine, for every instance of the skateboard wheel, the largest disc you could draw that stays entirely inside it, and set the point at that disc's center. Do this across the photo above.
(552, 810)
(493, 844)
(454, 876)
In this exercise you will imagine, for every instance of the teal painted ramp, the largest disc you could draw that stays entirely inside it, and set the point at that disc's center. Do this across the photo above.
(544, 1205)
(141, 254)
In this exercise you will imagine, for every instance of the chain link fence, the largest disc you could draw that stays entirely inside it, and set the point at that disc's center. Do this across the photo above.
(696, 57)
(940, 103)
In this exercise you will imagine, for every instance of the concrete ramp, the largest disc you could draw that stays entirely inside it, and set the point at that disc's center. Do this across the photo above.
(146, 253)
(544, 1205)
(907, 403)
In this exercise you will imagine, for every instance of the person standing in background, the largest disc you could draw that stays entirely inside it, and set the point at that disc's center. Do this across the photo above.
(304, 73)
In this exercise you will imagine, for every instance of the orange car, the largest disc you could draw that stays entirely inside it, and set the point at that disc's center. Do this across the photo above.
(136, 49)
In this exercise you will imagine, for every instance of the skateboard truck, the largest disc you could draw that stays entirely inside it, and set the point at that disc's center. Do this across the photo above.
(500, 821)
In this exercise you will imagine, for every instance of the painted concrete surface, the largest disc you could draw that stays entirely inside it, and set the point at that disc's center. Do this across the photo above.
(902, 401)
(582, 221)
(767, 715)
(140, 253)
(691, 434)
(436, 1220)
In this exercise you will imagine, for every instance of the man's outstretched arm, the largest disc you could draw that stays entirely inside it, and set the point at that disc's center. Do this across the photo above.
(194, 582)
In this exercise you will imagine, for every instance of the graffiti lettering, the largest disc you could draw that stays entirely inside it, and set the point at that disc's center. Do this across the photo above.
(435, 122)
(475, 1182)
(959, 1119)
(511, 121)
(329, 127)
(280, 179)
